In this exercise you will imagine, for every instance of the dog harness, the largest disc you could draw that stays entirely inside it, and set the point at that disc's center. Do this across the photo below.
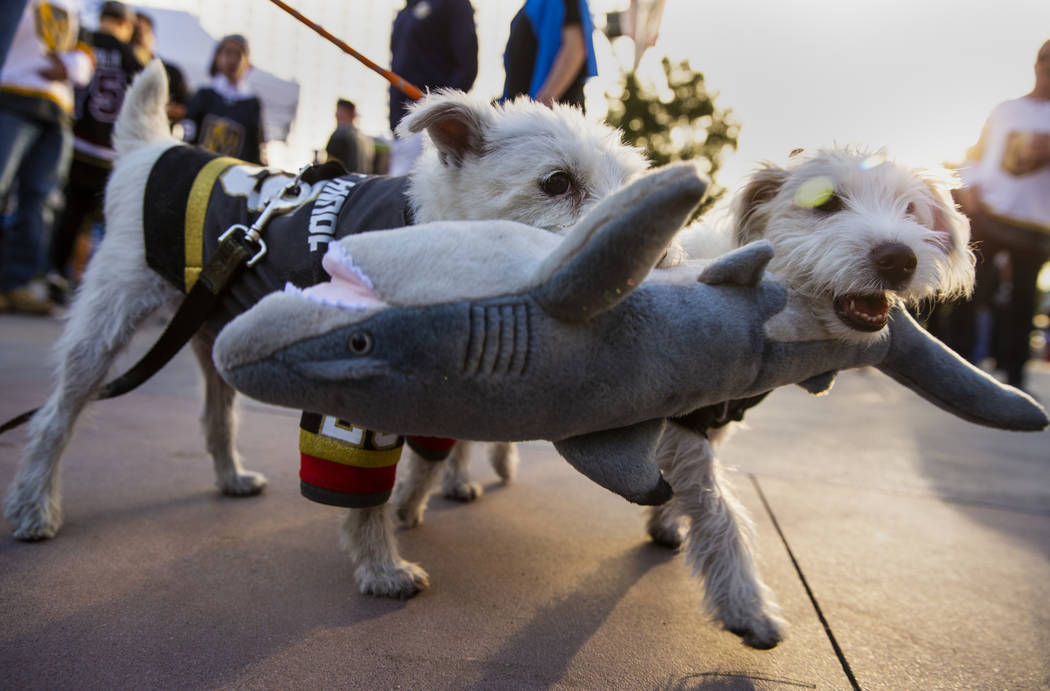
(193, 196)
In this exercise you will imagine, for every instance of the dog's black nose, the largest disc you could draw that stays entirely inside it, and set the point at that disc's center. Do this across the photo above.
(895, 263)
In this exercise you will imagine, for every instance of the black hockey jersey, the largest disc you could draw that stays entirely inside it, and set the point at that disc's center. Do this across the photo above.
(98, 103)
(193, 196)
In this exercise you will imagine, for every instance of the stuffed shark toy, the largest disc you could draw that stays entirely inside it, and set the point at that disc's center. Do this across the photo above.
(497, 331)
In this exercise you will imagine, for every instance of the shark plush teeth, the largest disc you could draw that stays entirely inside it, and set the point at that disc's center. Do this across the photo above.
(497, 331)
(348, 288)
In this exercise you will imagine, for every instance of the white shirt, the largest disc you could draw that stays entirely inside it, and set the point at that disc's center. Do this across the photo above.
(47, 27)
(1023, 199)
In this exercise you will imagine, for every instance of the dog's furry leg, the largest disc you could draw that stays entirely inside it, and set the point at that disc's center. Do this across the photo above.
(368, 537)
(108, 308)
(504, 458)
(456, 483)
(665, 524)
(415, 480)
(719, 542)
(219, 421)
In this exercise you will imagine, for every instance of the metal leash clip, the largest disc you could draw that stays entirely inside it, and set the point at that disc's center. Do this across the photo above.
(290, 197)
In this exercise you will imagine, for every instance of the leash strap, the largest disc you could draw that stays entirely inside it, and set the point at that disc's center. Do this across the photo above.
(231, 256)
(239, 247)
(234, 252)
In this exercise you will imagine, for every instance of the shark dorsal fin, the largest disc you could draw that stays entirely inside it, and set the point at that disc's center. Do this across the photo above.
(611, 250)
(743, 266)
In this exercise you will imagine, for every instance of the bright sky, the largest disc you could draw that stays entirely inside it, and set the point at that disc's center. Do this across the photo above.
(917, 76)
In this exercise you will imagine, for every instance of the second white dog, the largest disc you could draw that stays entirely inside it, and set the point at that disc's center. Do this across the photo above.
(854, 233)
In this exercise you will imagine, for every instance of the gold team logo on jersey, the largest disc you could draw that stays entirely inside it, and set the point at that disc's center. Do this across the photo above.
(222, 135)
(54, 27)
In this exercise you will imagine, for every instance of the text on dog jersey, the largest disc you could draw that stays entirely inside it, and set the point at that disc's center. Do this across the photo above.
(326, 210)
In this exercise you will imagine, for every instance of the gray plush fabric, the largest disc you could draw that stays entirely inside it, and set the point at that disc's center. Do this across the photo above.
(532, 359)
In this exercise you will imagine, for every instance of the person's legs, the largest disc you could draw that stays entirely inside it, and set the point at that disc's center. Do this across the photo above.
(1024, 266)
(35, 155)
(10, 15)
(83, 198)
(962, 327)
(39, 176)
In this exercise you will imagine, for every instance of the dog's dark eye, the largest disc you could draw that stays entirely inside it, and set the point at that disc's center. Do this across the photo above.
(556, 184)
(912, 209)
(830, 205)
(360, 343)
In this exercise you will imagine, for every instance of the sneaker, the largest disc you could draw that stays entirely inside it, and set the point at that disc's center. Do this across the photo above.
(57, 288)
(26, 301)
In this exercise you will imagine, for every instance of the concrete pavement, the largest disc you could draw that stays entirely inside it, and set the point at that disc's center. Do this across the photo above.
(908, 549)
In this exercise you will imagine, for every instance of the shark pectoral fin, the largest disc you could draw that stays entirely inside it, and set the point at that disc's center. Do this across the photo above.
(611, 250)
(929, 368)
(819, 384)
(621, 460)
(743, 266)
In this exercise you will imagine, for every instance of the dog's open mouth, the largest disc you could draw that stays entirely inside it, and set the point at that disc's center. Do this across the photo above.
(863, 312)
(348, 288)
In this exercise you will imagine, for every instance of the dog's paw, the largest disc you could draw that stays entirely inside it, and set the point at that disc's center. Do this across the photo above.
(246, 483)
(665, 526)
(761, 631)
(32, 520)
(666, 535)
(401, 580)
(505, 462)
(408, 515)
(461, 490)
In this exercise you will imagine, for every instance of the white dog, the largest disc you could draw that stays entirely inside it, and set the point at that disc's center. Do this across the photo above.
(854, 233)
(523, 162)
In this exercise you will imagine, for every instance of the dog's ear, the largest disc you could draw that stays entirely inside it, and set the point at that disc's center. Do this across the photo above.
(750, 206)
(455, 122)
(946, 216)
(951, 231)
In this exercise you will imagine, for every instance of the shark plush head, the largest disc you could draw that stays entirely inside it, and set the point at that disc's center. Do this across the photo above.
(498, 331)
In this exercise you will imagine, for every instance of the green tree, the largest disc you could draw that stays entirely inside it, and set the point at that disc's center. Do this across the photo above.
(675, 121)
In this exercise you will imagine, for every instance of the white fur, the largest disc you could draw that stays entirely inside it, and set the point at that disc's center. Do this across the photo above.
(821, 256)
(483, 162)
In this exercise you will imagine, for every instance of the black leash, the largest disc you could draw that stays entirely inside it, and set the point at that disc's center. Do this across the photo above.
(239, 247)
(235, 251)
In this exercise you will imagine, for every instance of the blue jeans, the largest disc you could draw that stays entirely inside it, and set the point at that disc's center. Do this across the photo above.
(10, 15)
(34, 160)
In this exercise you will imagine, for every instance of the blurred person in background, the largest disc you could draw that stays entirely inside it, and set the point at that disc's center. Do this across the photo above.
(433, 44)
(550, 52)
(1007, 197)
(144, 41)
(10, 12)
(349, 145)
(96, 110)
(225, 116)
(44, 62)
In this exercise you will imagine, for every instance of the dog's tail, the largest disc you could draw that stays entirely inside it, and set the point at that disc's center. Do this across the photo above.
(143, 117)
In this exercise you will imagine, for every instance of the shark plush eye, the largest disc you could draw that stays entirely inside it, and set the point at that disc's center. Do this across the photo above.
(556, 184)
(360, 343)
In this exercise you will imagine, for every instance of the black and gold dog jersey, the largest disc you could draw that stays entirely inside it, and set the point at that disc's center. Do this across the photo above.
(193, 196)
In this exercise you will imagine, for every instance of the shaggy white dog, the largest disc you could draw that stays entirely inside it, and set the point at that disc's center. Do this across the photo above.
(854, 233)
(522, 161)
